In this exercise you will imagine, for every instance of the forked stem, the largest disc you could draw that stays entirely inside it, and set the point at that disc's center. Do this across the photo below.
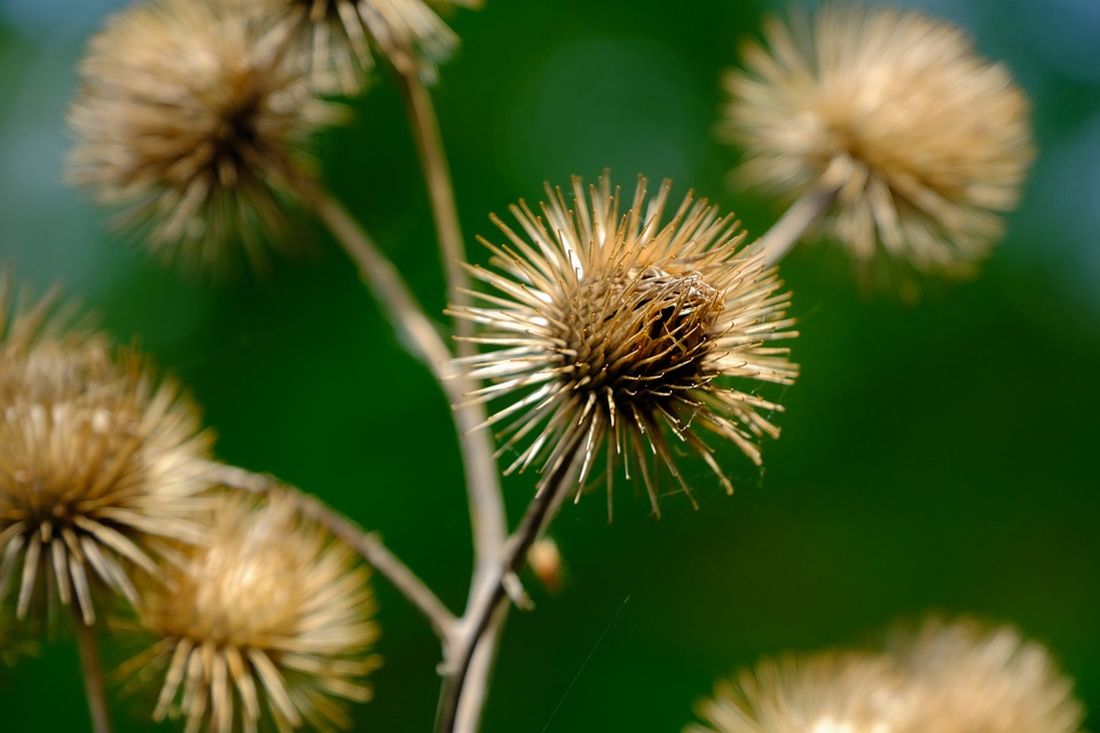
(793, 225)
(92, 669)
(486, 501)
(482, 480)
(465, 683)
(367, 544)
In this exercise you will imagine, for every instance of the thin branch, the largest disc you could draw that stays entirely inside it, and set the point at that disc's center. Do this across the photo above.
(389, 288)
(471, 704)
(795, 222)
(482, 479)
(462, 692)
(92, 669)
(486, 500)
(369, 545)
(437, 177)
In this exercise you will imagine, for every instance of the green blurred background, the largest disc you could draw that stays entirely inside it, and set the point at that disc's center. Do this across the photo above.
(938, 457)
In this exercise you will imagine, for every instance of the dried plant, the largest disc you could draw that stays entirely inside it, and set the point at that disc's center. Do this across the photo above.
(194, 120)
(96, 463)
(270, 618)
(922, 142)
(825, 693)
(958, 677)
(612, 330)
(615, 334)
(974, 677)
(340, 37)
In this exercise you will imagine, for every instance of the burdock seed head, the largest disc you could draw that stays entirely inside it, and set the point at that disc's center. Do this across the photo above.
(270, 619)
(97, 463)
(194, 120)
(975, 677)
(824, 693)
(957, 677)
(627, 334)
(340, 37)
(925, 142)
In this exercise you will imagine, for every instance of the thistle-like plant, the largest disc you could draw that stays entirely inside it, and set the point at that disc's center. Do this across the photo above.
(269, 618)
(948, 677)
(194, 121)
(625, 332)
(612, 335)
(98, 463)
(890, 126)
(340, 37)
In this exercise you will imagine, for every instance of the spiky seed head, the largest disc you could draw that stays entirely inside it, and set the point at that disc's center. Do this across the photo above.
(824, 693)
(194, 120)
(268, 619)
(973, 677)
(97, 464)
(627, 333)
(927, 142)
(340, 37)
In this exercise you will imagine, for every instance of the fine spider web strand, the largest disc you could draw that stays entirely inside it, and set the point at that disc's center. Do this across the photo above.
(644, 575)
(488, 610)
(588, 658)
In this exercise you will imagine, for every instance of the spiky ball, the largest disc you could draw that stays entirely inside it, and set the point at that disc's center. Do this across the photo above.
(974, 677)
(825, 693)
(925, 142)
(628, 334)
(340, 37)
(195, 119)
(98, 464)
(269, 619)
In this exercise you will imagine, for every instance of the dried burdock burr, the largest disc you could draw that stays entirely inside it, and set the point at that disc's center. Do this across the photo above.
(823, 693)
(920, 143)
(627, 334)
(977, 677)
(195, 121)
(947, 677)
(340, 37)
(270, 619)
(97, 463)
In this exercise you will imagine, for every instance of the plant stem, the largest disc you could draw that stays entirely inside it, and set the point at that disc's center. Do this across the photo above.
(369, 545)
(471, 704)
(486, 505)
(92, 669)
(463, 694)
(437, 177)
(795, 222)
(482, 479)
(486, 502)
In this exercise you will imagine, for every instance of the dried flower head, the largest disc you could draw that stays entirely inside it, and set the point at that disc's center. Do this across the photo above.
(194, 120)
(976, 678)
(340, 36)
(924, 141)
(96, 463)
(825, 693)
(618, 329)
(270, 613)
